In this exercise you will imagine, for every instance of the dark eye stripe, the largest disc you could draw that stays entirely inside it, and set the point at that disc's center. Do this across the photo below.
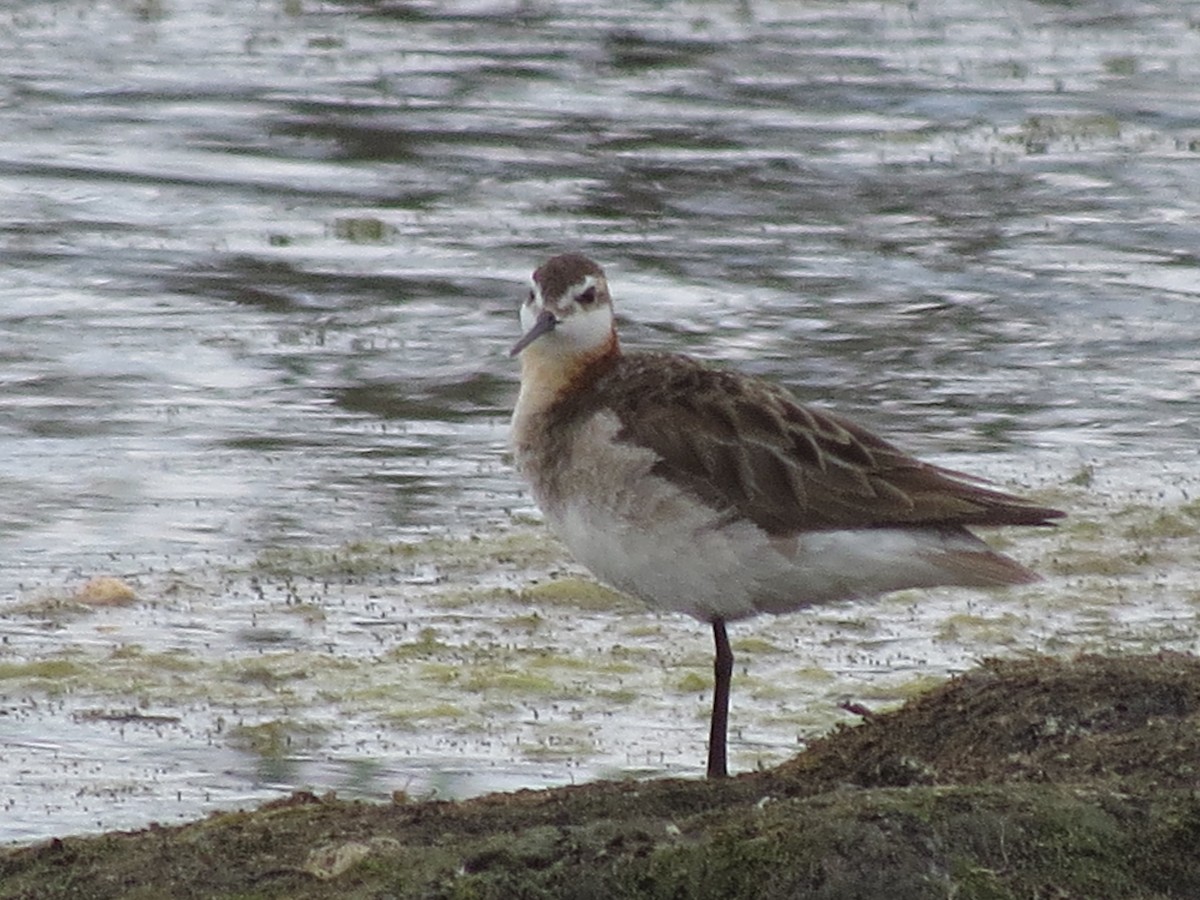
(588, 297)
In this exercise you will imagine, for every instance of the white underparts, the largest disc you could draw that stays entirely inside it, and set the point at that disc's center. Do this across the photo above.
(643, 535)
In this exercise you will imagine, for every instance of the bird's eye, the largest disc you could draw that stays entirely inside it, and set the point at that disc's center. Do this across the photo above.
(587, 298)
(529, 299)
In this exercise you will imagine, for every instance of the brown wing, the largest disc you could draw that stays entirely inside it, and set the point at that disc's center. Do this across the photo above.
(744, 445)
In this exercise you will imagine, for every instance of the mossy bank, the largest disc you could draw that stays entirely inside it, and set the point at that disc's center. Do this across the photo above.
(1028, 778)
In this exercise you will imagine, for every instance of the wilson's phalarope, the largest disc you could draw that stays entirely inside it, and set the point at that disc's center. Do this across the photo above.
(716, 494)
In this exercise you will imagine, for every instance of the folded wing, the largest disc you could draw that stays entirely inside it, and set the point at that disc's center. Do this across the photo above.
(746, 447)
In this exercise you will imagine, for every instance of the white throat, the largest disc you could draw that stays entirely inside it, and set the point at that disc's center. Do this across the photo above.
(580, 330)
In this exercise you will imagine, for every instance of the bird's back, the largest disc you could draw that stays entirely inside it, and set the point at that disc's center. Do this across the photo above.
(672, 479)
(744, 445)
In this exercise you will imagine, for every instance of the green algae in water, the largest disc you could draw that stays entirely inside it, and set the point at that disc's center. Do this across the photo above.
(412, 717)
(691, 683)
(180, 661)
(1165, 525)
(998, 630)
(751, 645)
(607, 665)
(503, 680)
(276, 738)
(47, 673)
(427, 644)
(578, 592)
(54, 609)
(530, 622)
(561, 744)
(522, 548)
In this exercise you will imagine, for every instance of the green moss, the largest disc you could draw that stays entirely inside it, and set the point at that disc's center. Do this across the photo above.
(1077, 528)
(259, 675)
(860, 624)
(406, 717)
(920, 843)
(691, 683)
(426, 645)
(815, 674)
(355, 229)
(135, 658)
(1084, 477)
(1164, 525)
(469, 598)
(510, 681)
(560, 745)
(599, 664)
(645, 630)
(48, 671)
(521, 547)
(1123, 64)
(300, 562)
(128, 651)
(1037, 132)
(530, 623)
(936, 843)
(621, 696)
(276, 738)
(311, 613)
(914, 687)
(577, 592)
(751, 645)
(999, 630)
(1094, 562)
(764, 690)
(53, 608)
(638, 656)
(439, 673)
(1024, 779)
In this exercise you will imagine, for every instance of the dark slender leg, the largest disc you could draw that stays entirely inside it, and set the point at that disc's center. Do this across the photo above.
(722, 673)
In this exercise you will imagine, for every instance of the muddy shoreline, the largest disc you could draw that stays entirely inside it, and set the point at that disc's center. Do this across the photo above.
(1038, 777)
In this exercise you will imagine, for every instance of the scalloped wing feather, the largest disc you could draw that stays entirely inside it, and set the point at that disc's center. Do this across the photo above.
(743, 445)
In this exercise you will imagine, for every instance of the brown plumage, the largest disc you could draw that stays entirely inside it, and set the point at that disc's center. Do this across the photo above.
(743, 445)
(714, 493)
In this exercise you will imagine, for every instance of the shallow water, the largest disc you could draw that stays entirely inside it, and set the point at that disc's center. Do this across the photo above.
(260, 270)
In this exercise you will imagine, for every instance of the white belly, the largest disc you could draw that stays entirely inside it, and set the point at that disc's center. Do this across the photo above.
(737, 570)
(643, 535)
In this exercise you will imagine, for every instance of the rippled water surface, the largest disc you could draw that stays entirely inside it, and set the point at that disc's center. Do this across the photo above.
(260, 264)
